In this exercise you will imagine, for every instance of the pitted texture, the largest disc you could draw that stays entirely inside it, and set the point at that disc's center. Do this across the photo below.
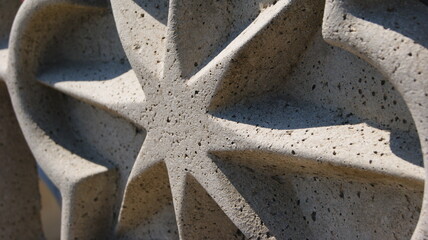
(207, 119)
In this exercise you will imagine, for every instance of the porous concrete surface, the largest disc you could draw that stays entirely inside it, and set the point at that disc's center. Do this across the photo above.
(207, 119)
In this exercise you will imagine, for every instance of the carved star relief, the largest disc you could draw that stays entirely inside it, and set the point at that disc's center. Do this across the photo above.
(207, 95)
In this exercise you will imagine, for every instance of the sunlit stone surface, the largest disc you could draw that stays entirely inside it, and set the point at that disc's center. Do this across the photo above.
(207, 119)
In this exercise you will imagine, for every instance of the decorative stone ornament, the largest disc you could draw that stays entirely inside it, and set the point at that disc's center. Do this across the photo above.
(215, 119)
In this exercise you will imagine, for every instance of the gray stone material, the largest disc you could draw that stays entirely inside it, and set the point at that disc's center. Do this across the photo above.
(207, 119)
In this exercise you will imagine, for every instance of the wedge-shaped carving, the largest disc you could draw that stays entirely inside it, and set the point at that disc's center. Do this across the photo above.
(144, 37)
(147, 210)
(246, 67)
(327, 73)
(201, 216)
(298, 200)
(87, 62)
(109, 86)
(202, 29)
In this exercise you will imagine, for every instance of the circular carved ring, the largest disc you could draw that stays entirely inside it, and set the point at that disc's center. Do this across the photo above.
(225, 119)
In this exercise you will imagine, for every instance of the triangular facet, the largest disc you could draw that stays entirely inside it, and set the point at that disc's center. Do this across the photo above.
(202, 217)
(205, 27)
(147, 211)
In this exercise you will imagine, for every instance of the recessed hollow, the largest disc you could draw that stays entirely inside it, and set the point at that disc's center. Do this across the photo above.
(143, 38)
(334, 78)
(279, 35)
(94, 135)
(331, 88)
(147, 210)
(86, 60)
(201, 216)
(204, 28)
(295, 200)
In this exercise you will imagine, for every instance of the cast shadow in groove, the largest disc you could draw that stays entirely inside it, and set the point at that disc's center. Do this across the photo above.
(275, 201)
(404, 17)
(157, 9)
(281, 113)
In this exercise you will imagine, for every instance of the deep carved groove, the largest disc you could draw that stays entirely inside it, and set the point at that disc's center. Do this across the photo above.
(305, 199)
